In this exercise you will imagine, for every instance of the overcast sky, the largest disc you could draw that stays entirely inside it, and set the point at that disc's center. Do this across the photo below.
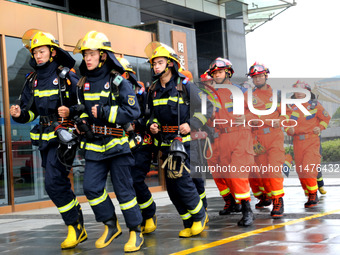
(302, 42)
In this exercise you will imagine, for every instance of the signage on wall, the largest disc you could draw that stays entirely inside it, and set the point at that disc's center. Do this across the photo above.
(179, 44)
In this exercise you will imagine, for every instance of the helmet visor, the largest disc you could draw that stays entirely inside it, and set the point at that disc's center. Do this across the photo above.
(89, 44)
(257, 69)
(218, 64)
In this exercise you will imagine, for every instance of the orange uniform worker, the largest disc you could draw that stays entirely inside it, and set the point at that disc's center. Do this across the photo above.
(235, 140)
(306, 142)
(270, 138)
(213, 158)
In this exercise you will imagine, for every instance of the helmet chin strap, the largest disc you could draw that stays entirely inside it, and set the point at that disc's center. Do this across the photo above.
(157, 76)
(101, 62)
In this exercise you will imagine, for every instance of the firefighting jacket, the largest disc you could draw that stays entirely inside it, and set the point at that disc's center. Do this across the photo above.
(306, 123)
(41, 97)
(113, 112)
(164, 108)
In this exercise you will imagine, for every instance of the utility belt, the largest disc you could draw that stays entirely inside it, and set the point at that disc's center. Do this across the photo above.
(232, 129)
(104, 130)
(265, 131)
(305, 136)
(47, 121)
(169, 129)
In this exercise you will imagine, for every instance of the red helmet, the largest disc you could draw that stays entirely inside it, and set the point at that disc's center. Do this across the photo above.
(205, 76)
(302, 84)
(257, 68)
(221, 64)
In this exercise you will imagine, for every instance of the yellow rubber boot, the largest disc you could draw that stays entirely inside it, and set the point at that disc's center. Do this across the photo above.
(185, 233)
(76, 234)
(136, 240)
(322, 190)
(198, 226)
(112, 231)
(150, 225)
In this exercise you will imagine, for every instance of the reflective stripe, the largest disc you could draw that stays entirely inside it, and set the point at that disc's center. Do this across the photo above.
(69, 206)
(320, 179)
(113, 114)
(288, 164)
(92, 96)
(203, 195)
(184, 140)
(224, 192)
(261, 188)
(67, 94)
(269, 194)
(146, 204)
(278, 192)
(104, 93)
(164, 101)
(312, 112)
(269, 105)
(175, 99)
(98, 200)
(324, 124)
(44, 136)
(105, 147)
(128, 205)
(257, 194)
(312, 188)
(228, 105)
(45, 93)
(295, 115)
(84, 115)
(185, 216)
(241, 196)
(197, 209)
(31, 116)
(201, 117)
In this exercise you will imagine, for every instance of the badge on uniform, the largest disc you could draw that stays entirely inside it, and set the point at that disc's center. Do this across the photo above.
(107, 85)
(87, 86)
(325, 113)
(35, 83)
(55, 81)
(131, 100)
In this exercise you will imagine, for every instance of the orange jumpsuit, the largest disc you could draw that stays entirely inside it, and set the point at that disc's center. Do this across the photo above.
(235, 146)
(306, 144)
(269, 180)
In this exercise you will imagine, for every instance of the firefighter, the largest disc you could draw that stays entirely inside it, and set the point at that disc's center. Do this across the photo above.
(110, 103)
(213, 158)
(48, 93)
(235, 141)
(306, 141)
(142, 154)
(269, 144)
(171, 122)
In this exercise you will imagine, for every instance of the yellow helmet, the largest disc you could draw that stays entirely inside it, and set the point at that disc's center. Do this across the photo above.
(126, 64)
(157, 49)
(34, 38)
(93, 40)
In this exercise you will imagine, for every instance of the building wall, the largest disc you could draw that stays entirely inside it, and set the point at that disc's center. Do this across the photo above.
(124, 13)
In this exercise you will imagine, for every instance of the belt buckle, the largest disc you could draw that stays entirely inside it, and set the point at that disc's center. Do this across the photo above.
(302, 137)
(226, 130)
(105, 130)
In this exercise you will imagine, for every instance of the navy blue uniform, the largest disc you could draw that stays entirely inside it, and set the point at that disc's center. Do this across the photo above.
(107, 152)
(46, 101)
(182, 191)
(143, 157)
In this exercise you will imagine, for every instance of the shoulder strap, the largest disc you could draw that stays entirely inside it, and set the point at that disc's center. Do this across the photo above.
(181, 88)
(28, 82)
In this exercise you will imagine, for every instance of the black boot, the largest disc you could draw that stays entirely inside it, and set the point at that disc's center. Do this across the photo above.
(278, 208)
(230, 205)
(247, 215)
(313, 200)
(112, 231)
(136, 240)
(264, 201)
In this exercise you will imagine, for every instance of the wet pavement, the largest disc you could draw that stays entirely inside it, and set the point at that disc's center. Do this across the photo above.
(301, 231)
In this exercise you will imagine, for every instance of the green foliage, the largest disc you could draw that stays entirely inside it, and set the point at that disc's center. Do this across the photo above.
(336, 115)
(331, 151)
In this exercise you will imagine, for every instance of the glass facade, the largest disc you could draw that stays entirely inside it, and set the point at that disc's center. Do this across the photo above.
(3, 174)
(28, 174)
